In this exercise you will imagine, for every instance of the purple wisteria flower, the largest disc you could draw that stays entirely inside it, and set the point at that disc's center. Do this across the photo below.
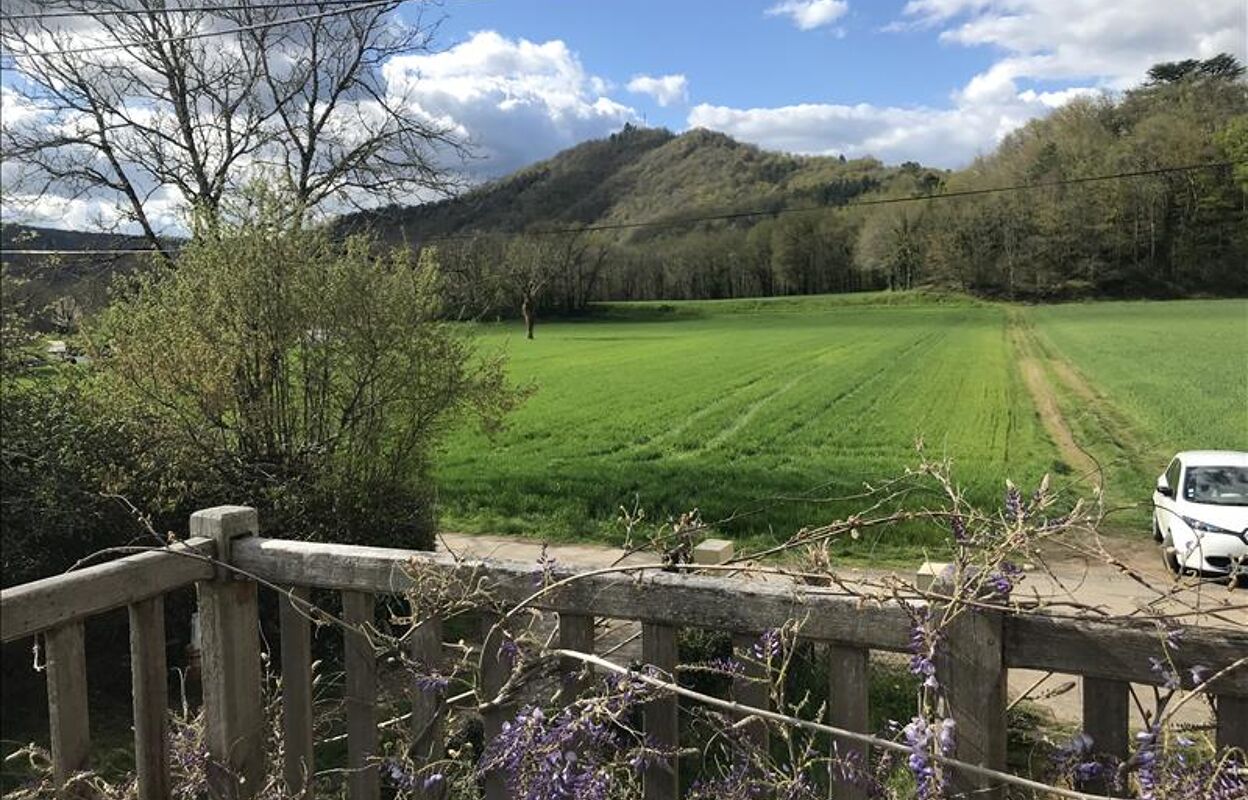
(1005, 579)
(546, 564)
(768, 645)
(958, 526)
(1013, 503)
(1169, 677)
(924, 643)
(918, 735)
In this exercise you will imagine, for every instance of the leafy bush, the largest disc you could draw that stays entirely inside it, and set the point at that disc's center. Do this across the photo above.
(304, 376)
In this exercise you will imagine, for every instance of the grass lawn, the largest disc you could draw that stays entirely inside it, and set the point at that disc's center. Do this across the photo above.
(1139, 381)
(733, 406)
(763, 410)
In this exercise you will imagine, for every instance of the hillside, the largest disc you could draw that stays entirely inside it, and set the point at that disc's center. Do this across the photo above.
(638, 174)
(75, 283)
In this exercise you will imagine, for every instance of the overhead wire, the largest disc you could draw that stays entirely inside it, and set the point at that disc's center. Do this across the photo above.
(734, 215)
(186, 37)
(122, 12)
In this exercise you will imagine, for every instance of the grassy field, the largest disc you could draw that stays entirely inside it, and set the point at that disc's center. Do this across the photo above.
(729, 406)
(1138, 381)
(739, 407)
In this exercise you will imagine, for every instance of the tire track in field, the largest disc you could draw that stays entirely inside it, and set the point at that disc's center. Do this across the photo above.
(1035, 363)
(747, 415)
(1044, 400)
(855, 389)
(687, 420)
(1142, 451)
(743, 418)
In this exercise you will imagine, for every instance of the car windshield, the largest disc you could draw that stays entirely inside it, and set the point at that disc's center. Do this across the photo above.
(1219, 486)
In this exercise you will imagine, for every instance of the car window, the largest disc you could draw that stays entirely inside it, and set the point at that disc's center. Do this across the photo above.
(1172, 474)
(1219, 486)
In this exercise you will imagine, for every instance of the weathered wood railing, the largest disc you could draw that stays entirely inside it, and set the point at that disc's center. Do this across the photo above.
(981, 648)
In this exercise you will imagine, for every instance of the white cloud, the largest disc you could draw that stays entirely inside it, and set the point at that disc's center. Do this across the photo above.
(940, 137)
(164, 209)
(810, 14)
(665, 89)
(514, 100)
(1110, 43)
(1082, 46)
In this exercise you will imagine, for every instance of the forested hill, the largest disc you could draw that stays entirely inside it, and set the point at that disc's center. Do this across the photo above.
(1163, 235)
(636, 175)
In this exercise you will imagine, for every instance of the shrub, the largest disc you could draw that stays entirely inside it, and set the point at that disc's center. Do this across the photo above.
(307, 377)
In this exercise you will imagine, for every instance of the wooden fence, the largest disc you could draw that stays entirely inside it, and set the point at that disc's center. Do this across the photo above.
(981, 648)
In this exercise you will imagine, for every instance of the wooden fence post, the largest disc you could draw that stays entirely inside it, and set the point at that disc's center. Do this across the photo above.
(971, 669)
(230, 644)
(1106, 717)
(364, 781)
(495, 669)
(848, 693)
(1232, 721)
(576, 632)
(150, 687)
(425, 650)
(658, 648)
(298, 767)
(751, 688)
(67, 700)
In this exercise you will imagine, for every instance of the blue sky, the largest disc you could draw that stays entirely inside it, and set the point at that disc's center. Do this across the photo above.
(732, 53)
(938, 81)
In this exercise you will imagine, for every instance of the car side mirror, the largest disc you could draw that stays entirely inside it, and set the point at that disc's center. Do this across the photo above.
(1163, 489)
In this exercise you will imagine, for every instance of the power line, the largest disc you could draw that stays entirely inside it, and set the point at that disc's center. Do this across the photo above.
(733, 215)
(7, 252)
(883, 201)
(186, 37)
(122, 12)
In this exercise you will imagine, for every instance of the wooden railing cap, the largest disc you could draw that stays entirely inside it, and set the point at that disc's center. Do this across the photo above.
(223, 524)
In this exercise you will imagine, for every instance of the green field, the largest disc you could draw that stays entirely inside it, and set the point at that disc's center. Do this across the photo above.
(1147, 379)
(738, 407)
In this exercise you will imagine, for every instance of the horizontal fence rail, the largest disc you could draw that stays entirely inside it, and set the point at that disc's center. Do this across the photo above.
(37, 606)
(1116, 650)
(981, 648)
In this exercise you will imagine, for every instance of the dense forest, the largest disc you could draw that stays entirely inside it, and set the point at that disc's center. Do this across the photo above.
(821, 227)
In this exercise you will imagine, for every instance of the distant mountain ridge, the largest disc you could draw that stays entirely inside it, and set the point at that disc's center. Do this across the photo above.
(635, 175)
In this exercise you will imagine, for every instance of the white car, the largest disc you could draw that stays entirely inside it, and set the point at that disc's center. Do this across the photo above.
(1200, 512)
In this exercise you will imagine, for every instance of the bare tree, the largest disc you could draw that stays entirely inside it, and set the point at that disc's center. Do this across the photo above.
(170, 108)
(530, 263)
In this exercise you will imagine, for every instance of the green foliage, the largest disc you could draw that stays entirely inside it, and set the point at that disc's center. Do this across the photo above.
(307, 377)
(61, 455)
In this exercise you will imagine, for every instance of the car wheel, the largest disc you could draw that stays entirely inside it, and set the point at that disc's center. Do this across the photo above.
(1170, 558)
(1157, 537)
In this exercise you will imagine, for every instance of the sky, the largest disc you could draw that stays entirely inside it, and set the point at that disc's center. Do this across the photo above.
(933, 81)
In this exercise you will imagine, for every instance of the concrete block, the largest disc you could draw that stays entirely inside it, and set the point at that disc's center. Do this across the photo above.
(713, 551)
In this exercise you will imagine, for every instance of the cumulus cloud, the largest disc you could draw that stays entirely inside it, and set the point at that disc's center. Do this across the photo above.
(1052, 52)
(513, 100)
(1111, 43)
(665, 89)
(810, 14)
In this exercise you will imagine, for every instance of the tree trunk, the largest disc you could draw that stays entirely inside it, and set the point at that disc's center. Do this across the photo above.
(526, 308)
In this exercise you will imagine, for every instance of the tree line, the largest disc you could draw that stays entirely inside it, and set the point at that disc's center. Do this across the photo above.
(1165, 235)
